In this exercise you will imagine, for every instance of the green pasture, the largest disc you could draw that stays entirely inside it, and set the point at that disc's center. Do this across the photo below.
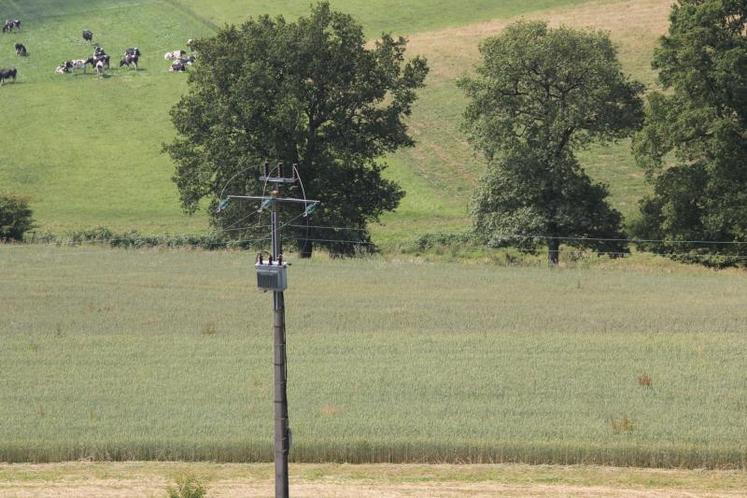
(377, 16)
(87, 150)
(154, 354)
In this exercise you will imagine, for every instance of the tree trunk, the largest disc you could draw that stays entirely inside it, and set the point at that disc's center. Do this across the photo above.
(553, 251)
(305, 248)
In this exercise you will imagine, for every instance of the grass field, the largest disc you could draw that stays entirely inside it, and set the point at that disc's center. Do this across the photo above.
(101, 480)
(113, 354)
(87, 151)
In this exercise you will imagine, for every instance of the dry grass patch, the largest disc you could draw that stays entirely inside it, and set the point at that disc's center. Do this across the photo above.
(330, 410)
(85, 480)
(635, 25)
(644, 380)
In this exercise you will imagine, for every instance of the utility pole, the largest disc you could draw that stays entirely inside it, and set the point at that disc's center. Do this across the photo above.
(282, 439)
(272, 275)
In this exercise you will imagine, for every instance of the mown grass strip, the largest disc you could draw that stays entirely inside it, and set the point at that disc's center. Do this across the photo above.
(151, 478)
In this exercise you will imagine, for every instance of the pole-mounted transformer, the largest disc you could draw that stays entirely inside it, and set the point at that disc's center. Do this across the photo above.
(271, 275)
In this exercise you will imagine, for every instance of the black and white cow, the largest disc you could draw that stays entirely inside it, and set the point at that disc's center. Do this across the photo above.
(104, 60)
(87, 35)
(21, 50)
(132, 51)
(65, 67)
(100, 67)
(11, 24)
(100, 55)
(80, 64)
(174, 55)
(7, 74)
(178, 67)
(129, 60)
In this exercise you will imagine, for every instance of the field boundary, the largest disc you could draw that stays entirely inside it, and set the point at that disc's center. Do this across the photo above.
(364, 452)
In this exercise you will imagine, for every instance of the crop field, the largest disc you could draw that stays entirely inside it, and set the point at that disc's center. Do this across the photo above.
(87, 151)
(154, 354)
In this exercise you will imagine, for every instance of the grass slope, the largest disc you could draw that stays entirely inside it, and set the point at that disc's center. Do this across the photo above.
(441, 172)
(167, 355)
(87, 151)
(378, 16)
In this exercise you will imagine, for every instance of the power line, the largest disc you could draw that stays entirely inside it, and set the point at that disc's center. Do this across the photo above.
(330, 228)
(635, 241)
(341, 241)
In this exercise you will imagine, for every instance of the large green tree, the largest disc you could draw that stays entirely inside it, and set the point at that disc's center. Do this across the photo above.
(311, 92)
(694, 142)
(539, 95)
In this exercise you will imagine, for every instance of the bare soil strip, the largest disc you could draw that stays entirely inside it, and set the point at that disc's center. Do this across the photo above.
(150, 479)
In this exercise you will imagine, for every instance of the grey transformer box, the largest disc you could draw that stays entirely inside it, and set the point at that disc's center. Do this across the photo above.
(271, 275)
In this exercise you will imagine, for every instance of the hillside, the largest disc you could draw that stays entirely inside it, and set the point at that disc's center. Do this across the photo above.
(87, 150)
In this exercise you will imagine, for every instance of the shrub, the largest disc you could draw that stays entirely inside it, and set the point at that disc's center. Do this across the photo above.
(187, 486)
(15, 217)
(439, 239)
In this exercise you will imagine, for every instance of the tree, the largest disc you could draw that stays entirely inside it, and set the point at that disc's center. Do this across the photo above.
(694, 143)
(539, 95)
(15, 217)
(310, 92)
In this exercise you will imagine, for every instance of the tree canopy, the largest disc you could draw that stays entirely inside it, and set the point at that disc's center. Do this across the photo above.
(539, 95)
(694, 142)
(310, 92)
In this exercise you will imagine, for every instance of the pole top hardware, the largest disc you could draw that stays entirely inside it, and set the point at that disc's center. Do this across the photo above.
(280, 178)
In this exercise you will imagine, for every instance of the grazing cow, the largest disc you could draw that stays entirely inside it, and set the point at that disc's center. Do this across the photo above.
(65, 67)
(80, 64)
(10, 24)
(6, 74)
(100, 67)
(178, 66)
(87, 35)
(100, 54)
(175, 55)
(21, 50)
(129, 60)
(132, 51)
(104, 59)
